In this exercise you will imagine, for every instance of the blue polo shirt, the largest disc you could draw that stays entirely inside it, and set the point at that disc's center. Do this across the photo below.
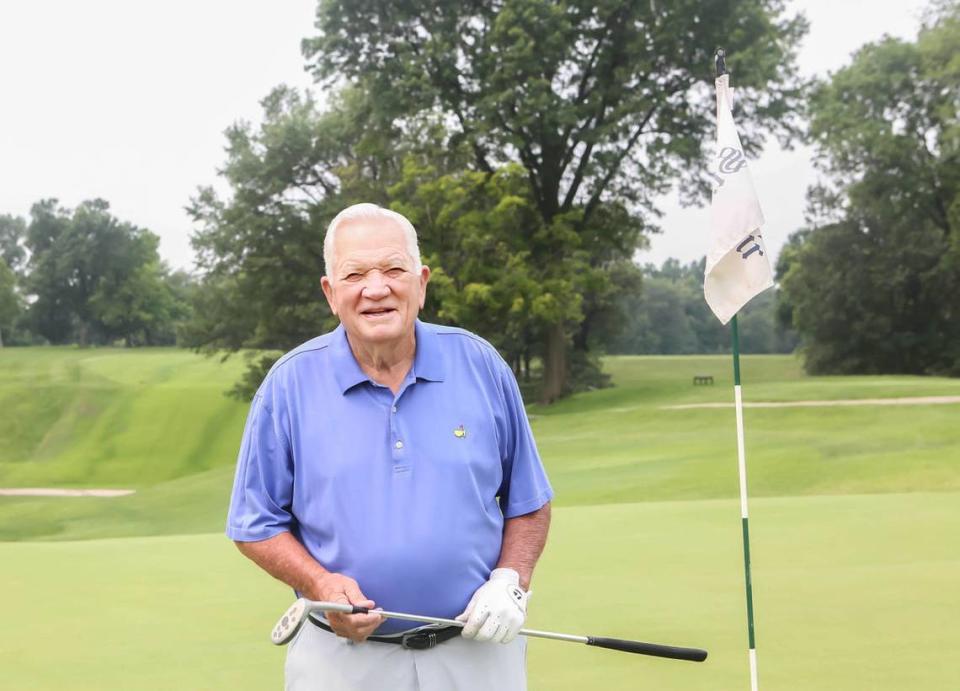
(408, 493)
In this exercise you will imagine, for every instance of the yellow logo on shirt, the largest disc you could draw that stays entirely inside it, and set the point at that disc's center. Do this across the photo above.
(460, 432)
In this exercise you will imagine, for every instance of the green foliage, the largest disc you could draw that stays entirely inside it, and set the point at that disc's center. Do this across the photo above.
(524, 139)
(12, 232)
(876, 287)
(593, 99)
(500, 276)
(604, 106)
(670, 316)
(95, 279)
(872, 302)
(10, 301)
(261, 251)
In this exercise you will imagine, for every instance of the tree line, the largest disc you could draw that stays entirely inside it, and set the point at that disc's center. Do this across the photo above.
(670, 317)
(527, 141)
(83, 276)
(873, 285)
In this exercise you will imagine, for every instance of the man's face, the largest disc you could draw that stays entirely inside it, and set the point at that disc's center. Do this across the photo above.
(373, 287)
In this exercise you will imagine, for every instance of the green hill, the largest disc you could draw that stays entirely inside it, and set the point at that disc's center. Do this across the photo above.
(157, 421)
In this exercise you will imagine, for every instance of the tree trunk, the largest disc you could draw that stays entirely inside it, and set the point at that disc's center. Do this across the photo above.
(554, 364)
(1, 338)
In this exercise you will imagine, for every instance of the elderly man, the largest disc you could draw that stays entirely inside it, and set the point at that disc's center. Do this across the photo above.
(390, 463)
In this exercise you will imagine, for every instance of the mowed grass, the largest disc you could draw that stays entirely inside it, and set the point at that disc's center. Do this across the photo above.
(114, 417)
(852, 592)
(158, 421)
(855, 514)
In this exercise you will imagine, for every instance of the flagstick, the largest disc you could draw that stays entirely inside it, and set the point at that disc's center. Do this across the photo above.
(744, 514)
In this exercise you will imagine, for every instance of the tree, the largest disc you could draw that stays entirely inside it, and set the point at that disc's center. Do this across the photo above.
(261, 251)
(94, 279)
(12, 232)
(875, 285)
(12, 256)
(598, 102)
(670, 316)
(484, 233)
(10, 302)
(140, 308)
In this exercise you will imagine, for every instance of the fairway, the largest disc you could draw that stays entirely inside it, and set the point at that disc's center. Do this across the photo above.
(854, 517)
(849, 596)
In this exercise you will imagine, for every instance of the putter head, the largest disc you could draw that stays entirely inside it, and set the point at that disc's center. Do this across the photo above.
(289, 623)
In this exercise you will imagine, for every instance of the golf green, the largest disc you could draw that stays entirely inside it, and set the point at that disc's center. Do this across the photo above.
(852, 592)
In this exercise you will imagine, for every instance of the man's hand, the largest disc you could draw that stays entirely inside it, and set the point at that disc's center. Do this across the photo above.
(335, 587)
(497, 610)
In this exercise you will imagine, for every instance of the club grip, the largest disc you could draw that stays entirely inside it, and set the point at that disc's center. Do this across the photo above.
(360, 610)
(673, 652)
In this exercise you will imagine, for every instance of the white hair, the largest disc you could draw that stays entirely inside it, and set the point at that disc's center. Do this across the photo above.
(369, 211)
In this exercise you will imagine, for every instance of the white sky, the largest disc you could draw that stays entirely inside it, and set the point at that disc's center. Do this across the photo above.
(128, 101)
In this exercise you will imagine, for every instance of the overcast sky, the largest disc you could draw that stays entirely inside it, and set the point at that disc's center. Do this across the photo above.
(128, 101)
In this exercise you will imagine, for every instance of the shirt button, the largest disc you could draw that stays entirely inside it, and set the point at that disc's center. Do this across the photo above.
(399, 445)
(393, 409)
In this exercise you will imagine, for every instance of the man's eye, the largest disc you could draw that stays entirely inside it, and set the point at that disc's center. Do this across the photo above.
(395, 272)
(353, 277)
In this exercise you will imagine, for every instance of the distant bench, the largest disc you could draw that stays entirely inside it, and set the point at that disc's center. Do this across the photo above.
(703, 379)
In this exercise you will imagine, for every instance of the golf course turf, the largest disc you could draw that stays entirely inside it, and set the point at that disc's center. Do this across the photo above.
(855, 513)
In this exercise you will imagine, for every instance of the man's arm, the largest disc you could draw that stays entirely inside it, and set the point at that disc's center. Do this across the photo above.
(498, 608)
(523, 540)
(284, 558)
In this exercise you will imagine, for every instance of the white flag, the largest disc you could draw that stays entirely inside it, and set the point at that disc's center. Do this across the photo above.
(737, 264)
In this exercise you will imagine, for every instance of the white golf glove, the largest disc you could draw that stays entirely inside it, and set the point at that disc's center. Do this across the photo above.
(497, 610)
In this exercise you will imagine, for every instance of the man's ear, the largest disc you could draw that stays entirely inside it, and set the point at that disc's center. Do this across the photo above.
(327, 287)
(424, 279)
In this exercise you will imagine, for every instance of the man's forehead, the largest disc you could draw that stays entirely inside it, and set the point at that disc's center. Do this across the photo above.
(363, 227)
(371, 242)
(374, 257)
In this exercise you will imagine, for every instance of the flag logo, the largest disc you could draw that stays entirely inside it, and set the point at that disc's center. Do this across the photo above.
(731, 160)
(460, 432)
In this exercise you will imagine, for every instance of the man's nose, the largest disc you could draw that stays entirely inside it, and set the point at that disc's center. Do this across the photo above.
(375, 285)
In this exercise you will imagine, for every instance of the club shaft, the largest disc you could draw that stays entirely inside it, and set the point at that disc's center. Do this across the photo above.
(347, 609)
(453, 622)
(657, 650)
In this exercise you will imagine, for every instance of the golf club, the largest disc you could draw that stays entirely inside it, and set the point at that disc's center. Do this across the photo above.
(296, 615)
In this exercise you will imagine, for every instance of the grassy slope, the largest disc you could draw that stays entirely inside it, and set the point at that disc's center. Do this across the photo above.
(114, 417)
(157, 420)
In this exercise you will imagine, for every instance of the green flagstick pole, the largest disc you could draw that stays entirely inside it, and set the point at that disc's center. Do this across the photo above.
(754, 216)
(744, 513)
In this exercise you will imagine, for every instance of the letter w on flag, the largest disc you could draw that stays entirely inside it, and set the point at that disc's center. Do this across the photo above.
(737, 264)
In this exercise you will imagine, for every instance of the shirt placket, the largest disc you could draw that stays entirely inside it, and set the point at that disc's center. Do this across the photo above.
(400, 444)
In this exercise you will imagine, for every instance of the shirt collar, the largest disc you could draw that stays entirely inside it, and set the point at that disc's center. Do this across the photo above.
(428, 362)
(346, 369)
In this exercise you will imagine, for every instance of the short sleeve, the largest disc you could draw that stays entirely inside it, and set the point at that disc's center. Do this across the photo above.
(525, 486)
(263, 486)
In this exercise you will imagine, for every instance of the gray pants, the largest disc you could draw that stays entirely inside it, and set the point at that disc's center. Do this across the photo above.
(318, 660)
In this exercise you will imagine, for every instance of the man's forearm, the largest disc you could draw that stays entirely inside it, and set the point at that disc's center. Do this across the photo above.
(284, 558)
(523, 541)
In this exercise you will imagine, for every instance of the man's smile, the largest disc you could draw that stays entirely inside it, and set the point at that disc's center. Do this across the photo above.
(378, 312)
